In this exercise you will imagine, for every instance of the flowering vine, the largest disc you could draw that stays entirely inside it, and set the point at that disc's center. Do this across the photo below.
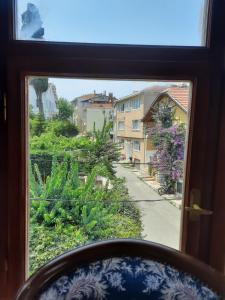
(168, 140)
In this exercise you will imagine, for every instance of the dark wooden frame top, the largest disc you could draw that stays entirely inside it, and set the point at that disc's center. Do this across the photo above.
(85, 255)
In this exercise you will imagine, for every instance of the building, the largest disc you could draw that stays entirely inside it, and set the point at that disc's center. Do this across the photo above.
(176, 99)
(92, 110)
(128, 127)
(49, 99)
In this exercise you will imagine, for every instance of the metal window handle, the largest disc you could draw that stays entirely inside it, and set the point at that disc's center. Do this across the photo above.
(196, 209)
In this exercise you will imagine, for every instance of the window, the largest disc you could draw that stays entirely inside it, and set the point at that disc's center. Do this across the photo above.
(113, 22)
(136, 146)
(111, 62)
(127, 106)
(121, 125)
(136, 124)
(136, 104)
(120, 107)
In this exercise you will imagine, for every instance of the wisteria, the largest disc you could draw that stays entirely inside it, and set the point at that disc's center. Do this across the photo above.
(169, 145)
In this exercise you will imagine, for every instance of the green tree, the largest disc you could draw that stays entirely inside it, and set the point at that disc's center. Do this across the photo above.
(65, 109)
(102, 150)
(37, 125)
(40, 86)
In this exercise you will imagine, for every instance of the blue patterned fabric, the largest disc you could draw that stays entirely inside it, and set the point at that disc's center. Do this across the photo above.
(127, 278)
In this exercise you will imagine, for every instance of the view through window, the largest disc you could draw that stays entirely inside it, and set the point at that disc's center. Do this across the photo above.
(106, 160)
(141, 22)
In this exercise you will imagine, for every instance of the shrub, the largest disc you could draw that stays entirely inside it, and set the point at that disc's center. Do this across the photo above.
(63, 205)
(46, 243)
(63, 128)
(37, 125)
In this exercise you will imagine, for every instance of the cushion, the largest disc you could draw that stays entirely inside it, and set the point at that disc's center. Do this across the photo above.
(127, 278)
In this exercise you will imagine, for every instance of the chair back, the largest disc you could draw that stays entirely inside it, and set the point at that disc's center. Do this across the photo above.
(124, 269)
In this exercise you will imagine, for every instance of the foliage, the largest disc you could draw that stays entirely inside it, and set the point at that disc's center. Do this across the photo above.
(46, 243)
(37, 124)
(62, 128)
(65, 109)
(169, 141)
(102, 149)
(64, 202)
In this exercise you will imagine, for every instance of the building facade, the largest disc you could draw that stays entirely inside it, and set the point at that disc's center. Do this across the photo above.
(128, 125)
(175, 99)
(92, 110)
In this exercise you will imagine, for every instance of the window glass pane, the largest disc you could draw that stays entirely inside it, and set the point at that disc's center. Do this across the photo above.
(142, 22)
(96, 172)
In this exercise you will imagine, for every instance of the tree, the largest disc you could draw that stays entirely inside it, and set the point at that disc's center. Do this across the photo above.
(103, 150)
(37, 125)
(65, 109)
(40, 86)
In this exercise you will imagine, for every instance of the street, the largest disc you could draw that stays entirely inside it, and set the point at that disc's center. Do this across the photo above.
(160, 219)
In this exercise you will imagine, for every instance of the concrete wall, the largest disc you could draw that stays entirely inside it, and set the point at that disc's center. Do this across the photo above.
(97, 116)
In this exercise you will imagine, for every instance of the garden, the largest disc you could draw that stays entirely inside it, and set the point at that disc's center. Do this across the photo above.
(70, 204)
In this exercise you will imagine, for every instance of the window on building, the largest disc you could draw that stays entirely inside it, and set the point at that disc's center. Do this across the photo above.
(136, 104)
(136, 124)
(127, 106)
(136, 146)
(121, 125)
(120, 107)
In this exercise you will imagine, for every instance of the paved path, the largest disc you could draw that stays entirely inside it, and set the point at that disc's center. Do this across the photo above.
(161, 220)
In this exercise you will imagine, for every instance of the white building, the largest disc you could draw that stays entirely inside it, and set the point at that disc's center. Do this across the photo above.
(93, 109)
(49, 99)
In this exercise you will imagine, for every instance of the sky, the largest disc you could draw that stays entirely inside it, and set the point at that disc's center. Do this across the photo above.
(72, 88)
(149, 22)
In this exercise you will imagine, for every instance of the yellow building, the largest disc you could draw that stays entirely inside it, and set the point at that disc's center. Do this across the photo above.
(175, 97)
(128, 127)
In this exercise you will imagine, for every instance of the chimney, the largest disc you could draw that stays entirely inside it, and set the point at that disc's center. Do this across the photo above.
(110, 98)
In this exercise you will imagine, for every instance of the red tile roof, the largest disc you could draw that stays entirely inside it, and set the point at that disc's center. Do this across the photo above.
(180, 95)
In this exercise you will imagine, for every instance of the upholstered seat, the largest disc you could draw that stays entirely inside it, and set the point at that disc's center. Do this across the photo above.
(114, 275)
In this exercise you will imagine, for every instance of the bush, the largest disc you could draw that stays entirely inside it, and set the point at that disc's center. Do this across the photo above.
(62, 128)
(46, 243)
(37, 125)
(66, 209)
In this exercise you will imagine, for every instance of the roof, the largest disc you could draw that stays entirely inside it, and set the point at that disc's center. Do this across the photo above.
(179, 94)
(86, 97)
(100, 105)
(101, 97)
(155, 88)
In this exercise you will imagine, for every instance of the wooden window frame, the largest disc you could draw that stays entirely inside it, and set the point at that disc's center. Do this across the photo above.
(203, 66)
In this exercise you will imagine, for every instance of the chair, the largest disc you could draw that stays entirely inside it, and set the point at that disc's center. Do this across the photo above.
(124, 269)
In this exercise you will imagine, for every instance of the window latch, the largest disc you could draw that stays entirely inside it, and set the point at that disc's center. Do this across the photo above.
(195, 210)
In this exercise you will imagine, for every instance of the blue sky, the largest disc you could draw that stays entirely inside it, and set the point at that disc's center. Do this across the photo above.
(162, 22)
(71, 88)
(151, 22)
